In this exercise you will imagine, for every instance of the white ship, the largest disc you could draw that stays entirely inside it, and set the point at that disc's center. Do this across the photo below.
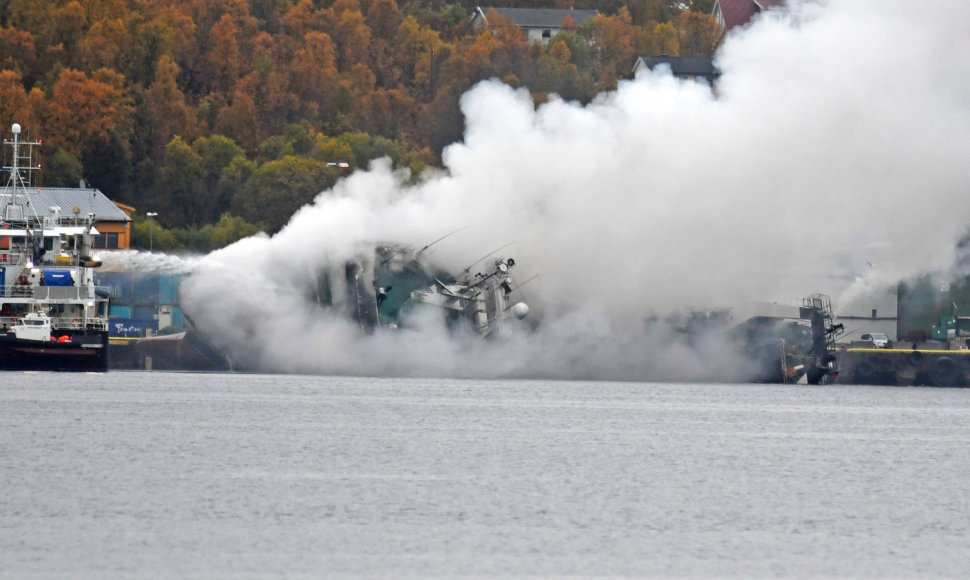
(52, 317)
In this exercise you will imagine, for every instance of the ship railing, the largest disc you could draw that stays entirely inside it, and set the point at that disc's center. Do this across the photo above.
(13, 257)
(17, 291)
(67, 323)
(50, 293)
(61, 323)
(63, 293)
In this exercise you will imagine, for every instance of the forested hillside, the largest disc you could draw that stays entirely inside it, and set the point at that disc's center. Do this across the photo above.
(224, 116)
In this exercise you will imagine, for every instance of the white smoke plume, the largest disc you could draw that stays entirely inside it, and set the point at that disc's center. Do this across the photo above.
(836, 138)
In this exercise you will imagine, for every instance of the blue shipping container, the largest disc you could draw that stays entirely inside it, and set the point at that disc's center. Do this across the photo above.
(119, 312)
(168, 288)
(118, 283)
(144, 313)
(178, 319)
(145, 289)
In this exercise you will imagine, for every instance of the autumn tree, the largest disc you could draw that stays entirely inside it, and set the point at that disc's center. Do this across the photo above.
(417, 50)
(215, 154)
(211, 237)
(331, 150)
(383, 19)
(302, 19)
(83, 109)
(179, 192)
(232, 179)
(313, 71)
(13, 101)
(103, 45)
(231, 228)
(666, 39)
(164, 111)
(170, 32)
(91, 118)
(353, 40)
(68, 24)
(617, 41)
(17, 51)
(279, 188)
(699, 34)
(61, 169)
(646, 12)
(224, 59)
(388, 113)
(239, 121)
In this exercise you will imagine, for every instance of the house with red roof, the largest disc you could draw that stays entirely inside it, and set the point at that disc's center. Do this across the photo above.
(733, 13)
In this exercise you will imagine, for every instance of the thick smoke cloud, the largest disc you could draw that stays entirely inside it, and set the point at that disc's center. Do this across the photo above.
(832, 158)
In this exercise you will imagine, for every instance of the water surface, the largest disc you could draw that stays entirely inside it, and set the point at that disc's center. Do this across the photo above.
(135, 474)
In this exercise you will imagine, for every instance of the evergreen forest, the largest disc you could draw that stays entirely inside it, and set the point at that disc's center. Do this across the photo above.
(225, 116)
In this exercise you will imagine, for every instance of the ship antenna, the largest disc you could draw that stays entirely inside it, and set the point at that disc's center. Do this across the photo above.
(524, 283)
(400, 251)
(16, 181)
(440, 239)
(468, 269)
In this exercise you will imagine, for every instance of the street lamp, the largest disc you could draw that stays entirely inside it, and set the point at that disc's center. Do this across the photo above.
(151, 229)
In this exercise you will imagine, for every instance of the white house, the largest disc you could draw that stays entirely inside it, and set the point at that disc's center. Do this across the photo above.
(538, 24)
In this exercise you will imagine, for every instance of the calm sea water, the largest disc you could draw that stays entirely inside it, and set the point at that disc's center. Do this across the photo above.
(213, 475)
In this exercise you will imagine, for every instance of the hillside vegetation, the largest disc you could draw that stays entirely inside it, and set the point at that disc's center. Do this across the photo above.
(225, 116)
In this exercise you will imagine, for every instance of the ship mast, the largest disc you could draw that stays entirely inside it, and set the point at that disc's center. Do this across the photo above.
(16, 209)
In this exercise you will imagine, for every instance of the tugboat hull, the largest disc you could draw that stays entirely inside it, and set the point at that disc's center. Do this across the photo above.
(86, 352)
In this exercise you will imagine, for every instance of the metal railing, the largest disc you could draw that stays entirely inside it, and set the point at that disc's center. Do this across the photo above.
(51, 293)
(62, 323)
(13, 257)
(18, 256)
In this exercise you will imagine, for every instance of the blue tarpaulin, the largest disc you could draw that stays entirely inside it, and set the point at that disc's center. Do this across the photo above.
(58, 278)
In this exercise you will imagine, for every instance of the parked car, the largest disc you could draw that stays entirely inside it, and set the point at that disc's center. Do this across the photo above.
(878, 339)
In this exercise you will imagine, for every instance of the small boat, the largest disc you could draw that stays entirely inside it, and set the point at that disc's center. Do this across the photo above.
(52, 316)
(32, 343)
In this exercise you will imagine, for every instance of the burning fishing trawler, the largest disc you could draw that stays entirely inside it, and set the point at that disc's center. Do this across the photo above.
(791, 350)
(383, 288)
(52, 317)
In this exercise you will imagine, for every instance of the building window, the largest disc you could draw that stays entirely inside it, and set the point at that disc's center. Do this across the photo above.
(106, 241)
(547, 34)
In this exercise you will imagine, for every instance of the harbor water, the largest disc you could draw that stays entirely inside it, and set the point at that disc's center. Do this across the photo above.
(148, 475)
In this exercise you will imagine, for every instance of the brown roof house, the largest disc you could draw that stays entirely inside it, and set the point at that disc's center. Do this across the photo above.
(538, 24)
(111, 220)
(733, 13)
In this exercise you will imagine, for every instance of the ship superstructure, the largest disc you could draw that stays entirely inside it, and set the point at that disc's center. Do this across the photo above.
(52, 317)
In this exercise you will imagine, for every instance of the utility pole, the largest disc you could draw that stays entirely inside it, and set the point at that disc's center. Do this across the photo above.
(151, 229)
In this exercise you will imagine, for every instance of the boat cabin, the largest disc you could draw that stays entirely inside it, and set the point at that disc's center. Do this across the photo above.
(34, 326)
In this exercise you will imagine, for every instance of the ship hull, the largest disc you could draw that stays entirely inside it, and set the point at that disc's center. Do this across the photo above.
(87, 352)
